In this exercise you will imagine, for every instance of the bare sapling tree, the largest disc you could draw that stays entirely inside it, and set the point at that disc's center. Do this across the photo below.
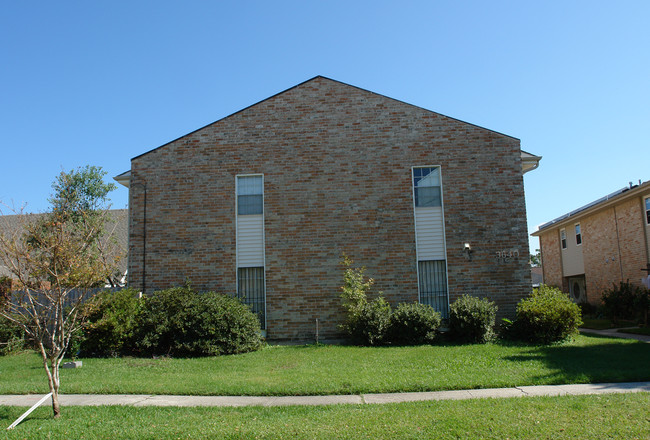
(54, 258)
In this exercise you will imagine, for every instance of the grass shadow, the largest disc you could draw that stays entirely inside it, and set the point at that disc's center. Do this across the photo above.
(592, 362)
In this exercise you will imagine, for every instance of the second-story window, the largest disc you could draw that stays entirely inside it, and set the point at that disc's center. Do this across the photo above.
(578, 235)
(563, 238)
(249, 195)
(426, 185)
(647, 210)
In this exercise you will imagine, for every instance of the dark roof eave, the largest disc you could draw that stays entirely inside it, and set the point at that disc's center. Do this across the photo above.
(627, 191)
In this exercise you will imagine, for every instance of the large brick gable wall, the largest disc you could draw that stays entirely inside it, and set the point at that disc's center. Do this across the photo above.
(337, 180)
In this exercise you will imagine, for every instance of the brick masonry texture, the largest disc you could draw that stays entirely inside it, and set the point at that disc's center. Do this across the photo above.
(613, 248)
(337, 165)
(551, 258)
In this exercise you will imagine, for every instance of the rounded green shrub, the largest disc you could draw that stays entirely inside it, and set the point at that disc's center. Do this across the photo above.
(471, 319)
(413, 324)
(165, 322)
(369, 326)
(223, 325)
(182, 322)
(547, 315)
(111, 322)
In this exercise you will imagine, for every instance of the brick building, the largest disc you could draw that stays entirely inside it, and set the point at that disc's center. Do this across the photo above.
(590, 249)
(264, 203)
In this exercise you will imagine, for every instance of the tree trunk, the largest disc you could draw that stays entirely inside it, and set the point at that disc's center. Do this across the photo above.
(56, 409)
(52, 379)
(55, 388)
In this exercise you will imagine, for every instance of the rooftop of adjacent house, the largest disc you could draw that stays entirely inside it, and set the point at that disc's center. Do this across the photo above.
(117, 227)
(614, 197)
(529, 161)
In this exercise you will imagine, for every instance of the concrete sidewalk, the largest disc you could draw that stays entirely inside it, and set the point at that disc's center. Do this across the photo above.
(235, 401)
(613, 333)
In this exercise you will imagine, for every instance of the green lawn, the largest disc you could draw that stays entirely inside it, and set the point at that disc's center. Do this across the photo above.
(313, 370)
(621, 416)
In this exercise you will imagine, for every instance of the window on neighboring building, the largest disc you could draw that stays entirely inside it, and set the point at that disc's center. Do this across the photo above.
(250, 290)
(647, 210)
(578, 235)
(563, 238)
(426, 185)
(249, 195)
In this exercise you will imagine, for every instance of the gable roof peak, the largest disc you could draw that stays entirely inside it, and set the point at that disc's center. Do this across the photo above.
(317, 77)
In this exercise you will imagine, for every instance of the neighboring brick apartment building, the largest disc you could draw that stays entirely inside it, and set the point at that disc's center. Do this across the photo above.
(587, 251)
(264, 203)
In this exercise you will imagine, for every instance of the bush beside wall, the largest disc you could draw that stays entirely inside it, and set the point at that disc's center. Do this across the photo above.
(626, 302)
(174, 322)
(413, 324)
(222, 325)
(112, 319)
(374, 323)
(547, 315)
(472, 319)
(370, 325)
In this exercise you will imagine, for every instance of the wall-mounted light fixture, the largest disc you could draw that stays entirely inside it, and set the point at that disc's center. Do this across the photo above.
(468, 251)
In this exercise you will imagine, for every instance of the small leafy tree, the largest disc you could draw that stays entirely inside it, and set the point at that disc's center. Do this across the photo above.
(367, 321)
(355, 287)
(54, 258)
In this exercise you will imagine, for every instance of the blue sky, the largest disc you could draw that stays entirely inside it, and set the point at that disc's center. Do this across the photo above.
(98, 83)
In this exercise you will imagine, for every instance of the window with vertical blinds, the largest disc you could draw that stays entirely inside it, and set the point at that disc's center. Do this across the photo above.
(433, 285)
(250, 290)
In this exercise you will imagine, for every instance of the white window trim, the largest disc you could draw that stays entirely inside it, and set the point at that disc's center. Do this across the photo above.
(564, 245)
(263, 239)
(444, 232)
(576, 235)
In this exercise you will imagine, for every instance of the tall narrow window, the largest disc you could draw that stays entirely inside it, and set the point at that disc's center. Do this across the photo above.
(647, 210)
(430, 238)
(563, 238)
(578, 235)
(251, 289)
